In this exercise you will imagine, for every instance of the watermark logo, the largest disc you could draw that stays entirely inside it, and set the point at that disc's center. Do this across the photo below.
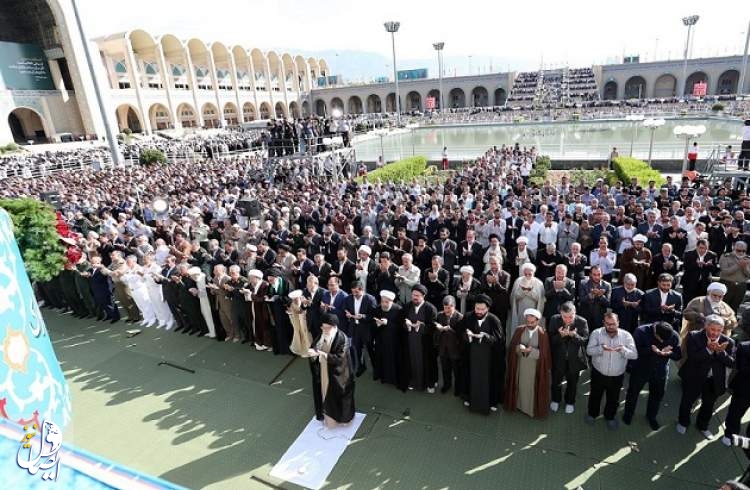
(44, 456)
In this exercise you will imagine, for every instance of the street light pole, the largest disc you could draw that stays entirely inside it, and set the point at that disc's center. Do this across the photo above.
(653, 125)
(743, 74)
(392, 27)
(689, 22)
(439, 48)
(634, 118)
(111, 141)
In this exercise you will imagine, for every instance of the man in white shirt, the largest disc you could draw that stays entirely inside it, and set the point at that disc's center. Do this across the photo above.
(530, 230)
(604, 258)
(548, 231)
(610, 349)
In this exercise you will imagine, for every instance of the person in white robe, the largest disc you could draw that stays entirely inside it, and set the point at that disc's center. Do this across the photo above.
(133, 277)
(161, 308)
(527, 292)
(197, 275)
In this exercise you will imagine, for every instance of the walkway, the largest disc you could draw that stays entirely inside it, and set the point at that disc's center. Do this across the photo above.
(227, 424)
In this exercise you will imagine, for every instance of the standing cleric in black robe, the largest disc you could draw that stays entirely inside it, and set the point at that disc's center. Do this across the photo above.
(388, 324)
(332, 377)
(484, 357)
(421, 360)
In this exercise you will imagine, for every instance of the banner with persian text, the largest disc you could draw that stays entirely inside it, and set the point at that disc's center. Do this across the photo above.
(24, 67)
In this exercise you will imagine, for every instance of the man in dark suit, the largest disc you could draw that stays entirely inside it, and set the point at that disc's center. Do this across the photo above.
(662, 304)
(652, 231)
(449, 345)
(333, 301)
(446, 249)
(740, 386)
(594, 295)
(664, 262)
(385, 274)
(437, 281)
(558, 289)
(709, 353)
(359, 309)
(513, 226)
(568, 336)
(266, 256)
(657, 343)
(101, 290)
(675, 236)
(470, 252)
(312, 295)
(344, 269)
(170, 292)
(321, 269)
(402, 245)
(700, 266)
(626, 302)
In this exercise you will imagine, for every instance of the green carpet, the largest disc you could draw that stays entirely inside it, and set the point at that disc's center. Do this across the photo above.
(225, 425)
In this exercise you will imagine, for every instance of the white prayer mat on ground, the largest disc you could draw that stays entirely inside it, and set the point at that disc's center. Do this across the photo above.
(311, 458)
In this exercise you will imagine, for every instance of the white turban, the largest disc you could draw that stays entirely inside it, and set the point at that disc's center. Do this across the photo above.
(466, 268)
(717, 286)
(255, 273)
(533, 312)
(194, 271)
(640, 238)
(297, 293)
(528, 265)
(365, 249)
(388, 294)
(522, 239)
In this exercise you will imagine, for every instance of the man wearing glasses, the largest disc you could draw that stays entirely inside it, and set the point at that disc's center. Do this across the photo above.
(735, 271)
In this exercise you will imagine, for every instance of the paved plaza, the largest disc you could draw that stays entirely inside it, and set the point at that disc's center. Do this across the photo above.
(225, 425)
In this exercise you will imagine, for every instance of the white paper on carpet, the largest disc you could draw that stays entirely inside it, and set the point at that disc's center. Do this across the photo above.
(312, 456)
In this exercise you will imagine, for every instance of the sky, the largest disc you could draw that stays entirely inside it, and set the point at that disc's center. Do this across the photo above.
(479, 35)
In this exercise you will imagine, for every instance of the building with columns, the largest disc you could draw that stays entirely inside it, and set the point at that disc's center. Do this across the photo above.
(660, 79)
(151, 82)
(147, 82)
(163, 82)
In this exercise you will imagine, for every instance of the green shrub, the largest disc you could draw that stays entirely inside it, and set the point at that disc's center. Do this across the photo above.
(717, 107)
(591, 176)
(401, 171)
(539, 173)
(127, 131)
(34, 228)
(9, 148)
(626, 168)
(151, 156)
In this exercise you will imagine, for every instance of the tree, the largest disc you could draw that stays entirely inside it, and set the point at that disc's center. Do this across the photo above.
(151, 156)
(34, 228)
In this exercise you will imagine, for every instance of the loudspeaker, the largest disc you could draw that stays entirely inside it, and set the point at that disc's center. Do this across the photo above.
(51, 198)
(250, 207)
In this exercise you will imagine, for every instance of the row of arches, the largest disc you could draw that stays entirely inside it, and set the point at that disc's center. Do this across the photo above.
(412, 101)
(160, 118)
(168, 60)
(665, 86)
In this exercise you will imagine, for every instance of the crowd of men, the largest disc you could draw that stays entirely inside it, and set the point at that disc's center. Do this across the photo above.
(499, 291)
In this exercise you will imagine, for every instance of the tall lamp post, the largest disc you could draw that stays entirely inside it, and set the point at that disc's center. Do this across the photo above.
(743, 74)
(688, 132)
(392, 27)
(111, 141)
(652, 125)
(689, 22)
(635, 119)
(439, 48)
